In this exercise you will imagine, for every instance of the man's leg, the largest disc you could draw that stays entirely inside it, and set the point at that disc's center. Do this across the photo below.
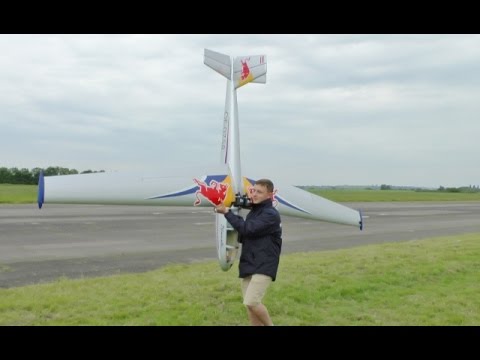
(254, 320)
(259, 315)
(253, 289)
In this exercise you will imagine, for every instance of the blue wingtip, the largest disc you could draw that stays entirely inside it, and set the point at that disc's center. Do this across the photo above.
(41, 190)
(361, 219)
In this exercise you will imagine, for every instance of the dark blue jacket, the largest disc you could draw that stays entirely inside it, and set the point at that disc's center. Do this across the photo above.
(260, 234)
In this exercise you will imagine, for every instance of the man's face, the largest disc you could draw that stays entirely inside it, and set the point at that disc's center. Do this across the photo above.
(259, 193)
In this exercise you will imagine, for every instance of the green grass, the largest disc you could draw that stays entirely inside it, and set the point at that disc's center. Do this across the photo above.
(18, 194)
(350, 195)
(421, 282)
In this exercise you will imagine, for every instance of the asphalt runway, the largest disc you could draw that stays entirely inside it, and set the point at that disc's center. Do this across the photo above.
(94, 240)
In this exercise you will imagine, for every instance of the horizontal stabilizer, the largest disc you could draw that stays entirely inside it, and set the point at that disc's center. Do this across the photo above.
(261, 80)
(219, 62)
(296, 202)
(249, 69)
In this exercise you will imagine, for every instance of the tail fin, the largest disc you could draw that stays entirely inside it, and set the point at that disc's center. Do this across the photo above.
(245, 68)
(249, 69)
(219, 62)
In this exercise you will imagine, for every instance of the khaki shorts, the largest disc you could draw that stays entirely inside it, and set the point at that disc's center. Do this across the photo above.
(254, 288)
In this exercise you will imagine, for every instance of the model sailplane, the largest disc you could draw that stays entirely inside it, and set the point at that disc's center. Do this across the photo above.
(188, 188)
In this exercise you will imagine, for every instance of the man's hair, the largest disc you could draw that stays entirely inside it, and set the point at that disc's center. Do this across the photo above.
(265, 182)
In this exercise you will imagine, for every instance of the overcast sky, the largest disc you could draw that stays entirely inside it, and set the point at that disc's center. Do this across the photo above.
(336, 109)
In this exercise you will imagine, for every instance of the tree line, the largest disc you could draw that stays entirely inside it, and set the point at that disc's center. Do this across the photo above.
(30, 177)
(461, 189)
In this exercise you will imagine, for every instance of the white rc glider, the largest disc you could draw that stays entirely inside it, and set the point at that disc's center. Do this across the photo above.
(226, 185)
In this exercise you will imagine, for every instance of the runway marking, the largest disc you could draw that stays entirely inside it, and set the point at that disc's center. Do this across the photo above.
(75, 244)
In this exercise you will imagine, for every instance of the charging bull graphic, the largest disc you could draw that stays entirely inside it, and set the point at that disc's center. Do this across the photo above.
(215, 192)
(245, 69)
(244, 72)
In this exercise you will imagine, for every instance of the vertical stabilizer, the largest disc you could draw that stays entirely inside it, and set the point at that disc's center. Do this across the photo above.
(219, 62)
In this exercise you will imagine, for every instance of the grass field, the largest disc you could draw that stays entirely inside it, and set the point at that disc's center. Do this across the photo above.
(421, 282)
(27, 194)
(18, 194)
(393, 195)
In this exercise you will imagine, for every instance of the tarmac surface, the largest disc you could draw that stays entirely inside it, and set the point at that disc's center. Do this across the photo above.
(77, 241)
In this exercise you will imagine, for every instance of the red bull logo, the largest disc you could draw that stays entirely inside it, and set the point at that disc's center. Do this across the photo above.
(215, 192)
(245, 69)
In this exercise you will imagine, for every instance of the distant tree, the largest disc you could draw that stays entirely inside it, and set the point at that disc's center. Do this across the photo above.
(92, 171)
(22, 176)
(385, 187)
(35, 175)
(57, 170)
(5, 176)
(453, 189)
(30, 177)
